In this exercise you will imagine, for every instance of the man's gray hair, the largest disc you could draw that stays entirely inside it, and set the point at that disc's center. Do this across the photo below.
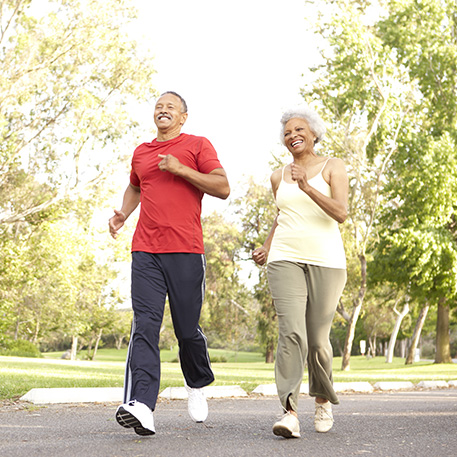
(183, 102)
(315, 123)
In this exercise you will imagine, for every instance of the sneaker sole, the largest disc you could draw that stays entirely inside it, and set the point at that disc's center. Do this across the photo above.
(323, 430)
(198, 421)
(128, 420)
(280, 430)
(143, 431)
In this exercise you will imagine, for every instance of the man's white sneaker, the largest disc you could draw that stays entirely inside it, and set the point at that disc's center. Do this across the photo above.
(136, 415)
(196, 404)
(323, 417)
(287, 427)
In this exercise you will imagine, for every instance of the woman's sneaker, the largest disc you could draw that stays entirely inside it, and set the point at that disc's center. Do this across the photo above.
(287, 427)
(323, 417)
(136, 415)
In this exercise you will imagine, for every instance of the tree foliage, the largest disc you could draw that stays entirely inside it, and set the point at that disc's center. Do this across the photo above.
(363, 96)
(419, 221)
(69, 76)
(257, 212)
(387, 88)
(229, 312)
(67, 71)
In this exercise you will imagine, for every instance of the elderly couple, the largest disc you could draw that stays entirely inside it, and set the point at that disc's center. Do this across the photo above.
(304, 253)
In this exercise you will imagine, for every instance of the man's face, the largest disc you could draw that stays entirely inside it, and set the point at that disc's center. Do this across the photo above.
(168, 115)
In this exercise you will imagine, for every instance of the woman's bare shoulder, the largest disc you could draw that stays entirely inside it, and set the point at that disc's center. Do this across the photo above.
(275, 179)
(336, 162)
(335, 165)
(276, 174)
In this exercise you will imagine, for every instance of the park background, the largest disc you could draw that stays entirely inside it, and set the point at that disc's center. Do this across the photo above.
(78, 83)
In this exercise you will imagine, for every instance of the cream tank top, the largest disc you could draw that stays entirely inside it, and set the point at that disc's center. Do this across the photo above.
(305, 233)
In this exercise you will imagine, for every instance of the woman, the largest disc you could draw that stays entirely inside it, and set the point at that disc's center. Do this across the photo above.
(306, 267)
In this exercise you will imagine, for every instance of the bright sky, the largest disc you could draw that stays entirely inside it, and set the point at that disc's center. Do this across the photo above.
(238, 64)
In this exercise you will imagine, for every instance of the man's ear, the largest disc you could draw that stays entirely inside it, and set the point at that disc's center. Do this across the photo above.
(183, 118)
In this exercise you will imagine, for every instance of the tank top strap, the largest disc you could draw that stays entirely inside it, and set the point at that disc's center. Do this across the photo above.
(323, 166)
(282, 173)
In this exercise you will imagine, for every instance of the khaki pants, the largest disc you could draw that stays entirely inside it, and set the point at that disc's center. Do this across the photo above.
(305, 298)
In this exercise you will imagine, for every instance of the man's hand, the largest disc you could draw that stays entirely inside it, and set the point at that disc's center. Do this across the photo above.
(169, 163)
(214, 183)
(116, 222)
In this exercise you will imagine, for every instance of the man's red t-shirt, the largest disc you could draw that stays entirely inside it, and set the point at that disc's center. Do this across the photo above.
(170, 206)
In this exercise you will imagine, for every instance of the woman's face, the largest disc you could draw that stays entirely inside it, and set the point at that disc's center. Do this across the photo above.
(298, 137)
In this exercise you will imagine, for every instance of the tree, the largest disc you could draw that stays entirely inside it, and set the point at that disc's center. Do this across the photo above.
(389, 87)
(53, 284)
(364, 98)
(416, 334)
(377, 317)
(68, 80)
(121, 326)
(428, 154)
(393, 337)
(229, 313)
(29, 283)
(257, 211)
(66, 74)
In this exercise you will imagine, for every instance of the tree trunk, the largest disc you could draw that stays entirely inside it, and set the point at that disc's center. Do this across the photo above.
(97, 342)
(443, 346)
(393, 336)
(36, 332)
(119, 341)
(339, 348)
(416, 335)
(74, 347)
(403, 346)
(16, 329)
(345, 365)
(270, 353)
(372, 344)
(89, 349)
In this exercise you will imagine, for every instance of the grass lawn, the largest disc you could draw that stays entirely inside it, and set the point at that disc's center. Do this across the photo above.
(113, 355)
(18, 375)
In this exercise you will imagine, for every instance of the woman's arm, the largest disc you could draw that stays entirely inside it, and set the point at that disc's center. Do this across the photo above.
(260, 255)
(335, 206)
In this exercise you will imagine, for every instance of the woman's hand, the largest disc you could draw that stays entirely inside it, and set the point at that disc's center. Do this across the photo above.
(298, 174)
(260, 255)
(335, 176)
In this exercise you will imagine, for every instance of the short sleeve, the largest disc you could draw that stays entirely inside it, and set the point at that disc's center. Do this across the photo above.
(207, 159)
(134, 180)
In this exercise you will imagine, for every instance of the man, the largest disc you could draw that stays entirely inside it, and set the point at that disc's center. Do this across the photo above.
(169, 177)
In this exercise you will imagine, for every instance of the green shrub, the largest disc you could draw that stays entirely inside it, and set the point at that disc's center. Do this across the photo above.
(218, 359)
(20, 348)
(213, 358)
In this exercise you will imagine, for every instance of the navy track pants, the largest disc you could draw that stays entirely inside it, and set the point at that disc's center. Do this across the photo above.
(181, 276)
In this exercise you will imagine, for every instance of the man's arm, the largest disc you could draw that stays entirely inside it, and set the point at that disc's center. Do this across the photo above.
(214, 183)
(130, 202)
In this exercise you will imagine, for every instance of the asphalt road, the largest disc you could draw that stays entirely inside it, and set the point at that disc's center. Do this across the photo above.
(414, 423)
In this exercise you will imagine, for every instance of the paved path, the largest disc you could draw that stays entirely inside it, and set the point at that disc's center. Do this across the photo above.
(413, 424)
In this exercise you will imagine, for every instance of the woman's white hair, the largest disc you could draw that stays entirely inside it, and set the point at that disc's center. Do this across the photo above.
(315, 123)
